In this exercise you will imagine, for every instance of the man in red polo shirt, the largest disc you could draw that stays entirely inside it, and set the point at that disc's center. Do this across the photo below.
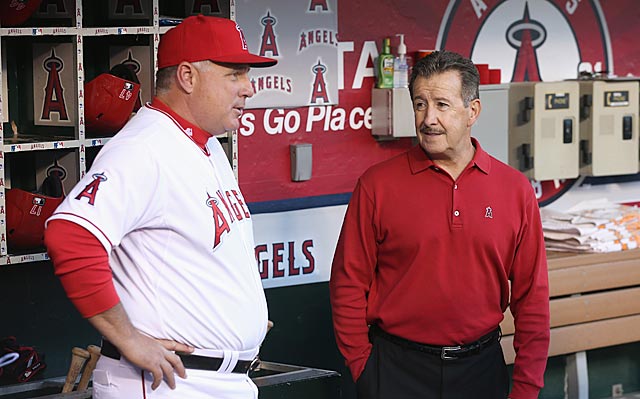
(436, 243)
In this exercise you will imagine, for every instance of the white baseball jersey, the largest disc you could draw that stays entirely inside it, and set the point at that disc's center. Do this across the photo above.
(178, 233)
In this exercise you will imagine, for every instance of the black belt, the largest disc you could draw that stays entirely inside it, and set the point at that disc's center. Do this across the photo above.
(445, 352)
(190, 361)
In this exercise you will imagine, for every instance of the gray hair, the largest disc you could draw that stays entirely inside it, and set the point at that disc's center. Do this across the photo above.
(442, 61)
(165, 76)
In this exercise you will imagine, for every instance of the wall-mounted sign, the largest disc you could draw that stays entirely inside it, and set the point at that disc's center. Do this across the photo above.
(129, 9)
(54, 97)
(217, 8)
(291, 253)
(56, 9)
(303, 37)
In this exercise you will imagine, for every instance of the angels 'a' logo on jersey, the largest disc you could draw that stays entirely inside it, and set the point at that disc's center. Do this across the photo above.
(91, 189)
(220, 223)
(232, 201)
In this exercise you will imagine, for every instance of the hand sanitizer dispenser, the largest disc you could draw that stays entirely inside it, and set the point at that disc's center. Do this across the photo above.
(400, 66)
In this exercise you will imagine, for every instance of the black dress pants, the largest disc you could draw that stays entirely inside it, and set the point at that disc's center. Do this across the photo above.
(396, 372)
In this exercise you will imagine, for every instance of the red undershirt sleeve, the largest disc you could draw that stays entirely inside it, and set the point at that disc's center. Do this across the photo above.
(82, 264)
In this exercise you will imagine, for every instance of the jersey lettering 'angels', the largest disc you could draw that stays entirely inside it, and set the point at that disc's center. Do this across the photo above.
(231, 199)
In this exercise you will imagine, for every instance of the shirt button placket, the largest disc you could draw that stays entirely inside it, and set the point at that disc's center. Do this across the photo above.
(457, 220)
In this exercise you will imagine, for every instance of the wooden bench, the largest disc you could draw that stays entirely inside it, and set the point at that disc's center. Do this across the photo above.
(594, 303)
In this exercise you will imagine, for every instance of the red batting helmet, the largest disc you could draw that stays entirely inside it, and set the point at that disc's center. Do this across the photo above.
(27, 212)
(16, 12)
(109, 102)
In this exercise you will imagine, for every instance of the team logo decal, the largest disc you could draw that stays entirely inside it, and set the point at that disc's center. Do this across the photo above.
(318, 5)
(53, 103)
(54, 98)
(268, 43)
(53, 7)
(242, 39)
(135, 67)
(488, 213)
(319, 88)
(134, 5)
(199, 6)
(57, 169)
(232, 201)
(37, 204)
(19, 5)
(526, 38)
(91, 189)
(132, 63)
(220, 222)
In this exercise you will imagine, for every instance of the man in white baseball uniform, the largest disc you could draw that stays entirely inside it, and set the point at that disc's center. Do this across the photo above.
(155, 244)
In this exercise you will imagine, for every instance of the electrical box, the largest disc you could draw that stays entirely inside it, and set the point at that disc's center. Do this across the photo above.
(544, 129)
(608, 127)
(492, 127)
(392, 113)
(301, 161)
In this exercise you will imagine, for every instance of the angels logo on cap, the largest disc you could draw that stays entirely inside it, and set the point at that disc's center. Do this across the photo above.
(200, 38)
(244, 41)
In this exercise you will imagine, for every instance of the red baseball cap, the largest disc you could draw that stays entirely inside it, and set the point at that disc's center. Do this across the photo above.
(17, 12)
(109, 102)
(199, 38)
(26, 214)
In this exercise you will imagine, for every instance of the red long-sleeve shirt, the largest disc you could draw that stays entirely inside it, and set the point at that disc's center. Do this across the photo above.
(430, 259)
(82, 264)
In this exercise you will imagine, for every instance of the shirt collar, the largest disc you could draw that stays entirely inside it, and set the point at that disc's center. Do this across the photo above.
(199, 136)
(419, 160)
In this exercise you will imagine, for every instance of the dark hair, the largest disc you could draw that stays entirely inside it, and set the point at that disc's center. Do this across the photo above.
(442, 61)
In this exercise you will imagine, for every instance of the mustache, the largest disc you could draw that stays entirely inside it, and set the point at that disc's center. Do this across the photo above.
(427, 130)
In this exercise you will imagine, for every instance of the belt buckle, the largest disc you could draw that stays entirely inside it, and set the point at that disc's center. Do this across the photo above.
(255, 363)
(444, 355)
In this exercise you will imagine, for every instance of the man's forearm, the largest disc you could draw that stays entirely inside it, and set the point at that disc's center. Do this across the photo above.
(114, 325)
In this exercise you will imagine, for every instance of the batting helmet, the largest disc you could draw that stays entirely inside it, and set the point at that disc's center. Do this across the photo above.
(110, 100)
(17, 12)
(27, 212)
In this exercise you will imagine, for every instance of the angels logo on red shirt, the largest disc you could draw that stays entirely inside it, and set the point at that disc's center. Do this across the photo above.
(525, 39)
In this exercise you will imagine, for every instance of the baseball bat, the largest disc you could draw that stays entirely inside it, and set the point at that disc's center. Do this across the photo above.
(78, 358)
(94, 352)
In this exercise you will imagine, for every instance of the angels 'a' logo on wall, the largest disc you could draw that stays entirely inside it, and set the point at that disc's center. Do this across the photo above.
(207, 7)
(200, 5)
(268, 43)
(527, 38)
(318, 5)
(54, 98)
(128, 9)
(319, 87)
(54, 101)
(138, 59)
(530, 40)
(55, 9)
